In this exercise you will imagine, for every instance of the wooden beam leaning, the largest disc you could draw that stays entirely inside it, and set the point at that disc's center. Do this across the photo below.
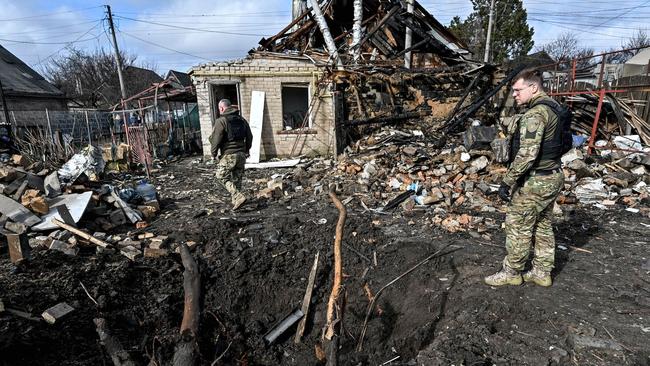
(307, 300)
(379, 24)
(439, 46)
(266, 42)
(80, 233)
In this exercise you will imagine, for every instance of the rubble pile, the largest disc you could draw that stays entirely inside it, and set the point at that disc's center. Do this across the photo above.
(398, 169)
(44, 209)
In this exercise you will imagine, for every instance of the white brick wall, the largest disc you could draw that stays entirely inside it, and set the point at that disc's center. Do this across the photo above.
(268, 75)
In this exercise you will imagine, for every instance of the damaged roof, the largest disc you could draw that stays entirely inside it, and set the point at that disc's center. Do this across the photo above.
(20, 79)
(384, 23)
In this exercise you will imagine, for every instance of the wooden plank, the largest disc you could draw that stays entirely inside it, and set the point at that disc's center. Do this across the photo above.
(80, 233)
(18, 247)
(379, 24)
(13, 186)
(20, 191)
(307, 300)
(256, 120)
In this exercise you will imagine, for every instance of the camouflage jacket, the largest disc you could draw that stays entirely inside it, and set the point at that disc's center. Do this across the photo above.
(536, 125)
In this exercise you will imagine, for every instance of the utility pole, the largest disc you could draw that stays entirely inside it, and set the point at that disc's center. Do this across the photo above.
(118, 60)
(486, 57)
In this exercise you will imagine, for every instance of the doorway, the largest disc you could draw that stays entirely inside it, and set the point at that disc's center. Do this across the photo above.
(220, 91)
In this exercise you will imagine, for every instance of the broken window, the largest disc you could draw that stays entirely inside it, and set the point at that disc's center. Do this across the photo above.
(295, 106)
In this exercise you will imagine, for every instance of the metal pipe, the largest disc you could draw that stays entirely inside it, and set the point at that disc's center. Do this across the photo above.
(601, 97)
(281, 327)
(643, 88)
(327, 36)
(356, 30)
(408, 41)
(488, 39)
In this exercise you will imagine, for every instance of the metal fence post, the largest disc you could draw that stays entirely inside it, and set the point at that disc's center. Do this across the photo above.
(90, 141)
(49, 125)
(601, 97)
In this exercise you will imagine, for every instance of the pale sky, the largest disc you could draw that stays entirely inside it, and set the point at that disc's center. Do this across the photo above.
(177, 34)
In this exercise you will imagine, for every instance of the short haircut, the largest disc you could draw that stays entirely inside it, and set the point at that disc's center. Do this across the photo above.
(225, 102)
(529, 75)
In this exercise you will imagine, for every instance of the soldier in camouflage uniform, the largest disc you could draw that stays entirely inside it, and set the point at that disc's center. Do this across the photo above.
(232, 136)
(535, 177)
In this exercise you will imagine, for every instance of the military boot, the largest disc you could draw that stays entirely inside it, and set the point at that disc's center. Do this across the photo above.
(539, 277)
(238, 200)
(505, 276)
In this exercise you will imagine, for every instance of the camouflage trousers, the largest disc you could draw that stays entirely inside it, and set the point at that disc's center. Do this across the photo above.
(230, 171)
(529, 215)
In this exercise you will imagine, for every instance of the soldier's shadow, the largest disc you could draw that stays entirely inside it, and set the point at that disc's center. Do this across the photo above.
(575, 231)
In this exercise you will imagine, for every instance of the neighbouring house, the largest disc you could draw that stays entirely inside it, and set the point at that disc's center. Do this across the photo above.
(314, 82)
(169, 110)
(182, 78)
(639, 64)
(24, 89)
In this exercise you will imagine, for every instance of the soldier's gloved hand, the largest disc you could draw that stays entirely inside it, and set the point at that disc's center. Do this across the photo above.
(504, 192)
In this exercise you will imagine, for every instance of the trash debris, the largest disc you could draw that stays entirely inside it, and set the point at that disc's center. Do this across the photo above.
(275, 332)
(57, 312)
(88, 161)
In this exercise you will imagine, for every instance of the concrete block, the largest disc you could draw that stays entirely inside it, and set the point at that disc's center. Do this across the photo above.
(582, 341)
(41, 241)
(63, 247)
(155, 253)
(16, 227)
(131, 252)
(19, 249)
(57, 312)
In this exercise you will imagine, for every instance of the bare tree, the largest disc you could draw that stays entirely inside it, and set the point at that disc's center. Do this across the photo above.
(640, 38)
(562, 48)
(91, 77)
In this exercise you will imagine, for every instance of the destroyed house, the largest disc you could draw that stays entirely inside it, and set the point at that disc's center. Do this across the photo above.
(328, 71)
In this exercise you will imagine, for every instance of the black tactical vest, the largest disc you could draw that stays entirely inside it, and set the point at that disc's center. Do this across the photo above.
(550, 149)
(235, 127)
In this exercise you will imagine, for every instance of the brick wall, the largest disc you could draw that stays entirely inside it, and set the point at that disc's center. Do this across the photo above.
(268, 75)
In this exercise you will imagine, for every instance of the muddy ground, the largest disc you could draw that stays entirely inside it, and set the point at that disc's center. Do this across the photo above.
(254, 268)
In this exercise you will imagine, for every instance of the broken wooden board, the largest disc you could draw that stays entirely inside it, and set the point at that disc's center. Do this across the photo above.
(274, 164)
(18, 247)
(17, 212)
(255, 121)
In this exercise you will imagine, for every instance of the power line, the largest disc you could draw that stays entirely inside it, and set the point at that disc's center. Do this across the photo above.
(47, 30)
(51, 43)
(579, 24)
(161, 46)
(69, 44)
(190, 28)
(248, 14)
(48, 14)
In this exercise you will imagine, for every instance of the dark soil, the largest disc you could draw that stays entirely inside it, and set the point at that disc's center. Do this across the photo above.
(254, 267)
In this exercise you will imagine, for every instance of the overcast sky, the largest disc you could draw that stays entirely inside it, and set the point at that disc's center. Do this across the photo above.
(175, 34)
